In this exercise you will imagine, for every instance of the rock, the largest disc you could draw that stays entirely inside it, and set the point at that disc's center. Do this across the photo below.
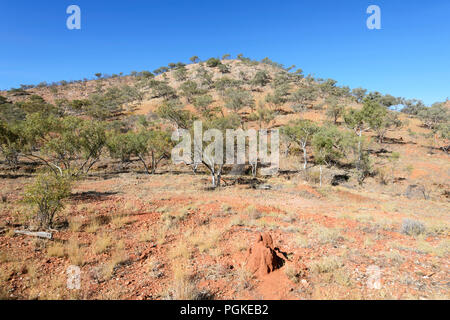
(339, 179)
(416, 191)
(263, 258)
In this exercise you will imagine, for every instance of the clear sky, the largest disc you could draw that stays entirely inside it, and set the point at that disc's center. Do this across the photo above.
(408, 57)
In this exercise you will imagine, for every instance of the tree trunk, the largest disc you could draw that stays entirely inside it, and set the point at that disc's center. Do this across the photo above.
(358, 164)
(320, 169)
(305, 157)
(145, 165)
(254, 169)
(153, 163)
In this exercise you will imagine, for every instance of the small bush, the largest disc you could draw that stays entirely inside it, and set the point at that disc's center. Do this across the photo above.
(412, 227)
(46, 194)
(213, 62)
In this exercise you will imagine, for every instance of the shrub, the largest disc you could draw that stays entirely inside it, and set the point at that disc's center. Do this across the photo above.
(261, 78)
(412, 227)
(190, 89)
(213, 62)
(47, 193)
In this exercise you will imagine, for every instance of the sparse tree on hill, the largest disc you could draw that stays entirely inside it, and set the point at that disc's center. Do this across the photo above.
(260, 79)
(334, 109)
(190, 89)
(301, 132)
(236, 99)
(303, 98)
(194, 59)
(203, 105)
(329, 146)
(359, 94)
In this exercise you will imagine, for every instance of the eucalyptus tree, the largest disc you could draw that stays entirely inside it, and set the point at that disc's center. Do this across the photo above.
(301, 133)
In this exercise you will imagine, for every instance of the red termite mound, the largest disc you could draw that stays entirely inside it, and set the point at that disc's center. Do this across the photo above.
(263, 258)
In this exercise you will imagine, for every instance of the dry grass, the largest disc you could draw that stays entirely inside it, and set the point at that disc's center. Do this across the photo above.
(103, 244)
(75, 224)
(75, 253)
(118, 258)
(180, 250)
(93, 226)
(119, 221)
(326, 265)
(56, 250)
(147, 235)
(183, 287)
(243, 277)
(327, 235)
(205, 239)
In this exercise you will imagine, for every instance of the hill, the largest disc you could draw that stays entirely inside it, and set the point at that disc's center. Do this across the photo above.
(346, 216)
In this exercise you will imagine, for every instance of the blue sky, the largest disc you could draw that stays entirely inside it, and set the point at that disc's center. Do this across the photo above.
(408, 57)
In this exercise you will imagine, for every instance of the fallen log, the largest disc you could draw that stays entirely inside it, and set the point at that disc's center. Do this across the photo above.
(39, 234)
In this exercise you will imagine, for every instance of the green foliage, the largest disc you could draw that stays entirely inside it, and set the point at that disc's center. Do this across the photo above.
(110, 104)
(301, 132)
(435, 115)
(223, 68)
(180, 73)
(413, 106)
(205, 77)
(262, 115)
(63, 141)
(266, 60)
(190, 89)
(213, 62)
(359, 94)
(147, 74)
(330, 145)
(79, 105)
(194, 59)
(10, 112)
(384, 100)
(173, 111)
(222, 124)
(122, 146)
(10, 142)
(236, 99)
(225, 83)
(159, 145)
(46, 194)
(303, 98)
(203, 105)
(260, 79)
(334, 109)
(161, 89)
(36, 103)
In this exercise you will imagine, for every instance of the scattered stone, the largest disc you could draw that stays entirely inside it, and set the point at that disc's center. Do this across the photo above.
(416, 191)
